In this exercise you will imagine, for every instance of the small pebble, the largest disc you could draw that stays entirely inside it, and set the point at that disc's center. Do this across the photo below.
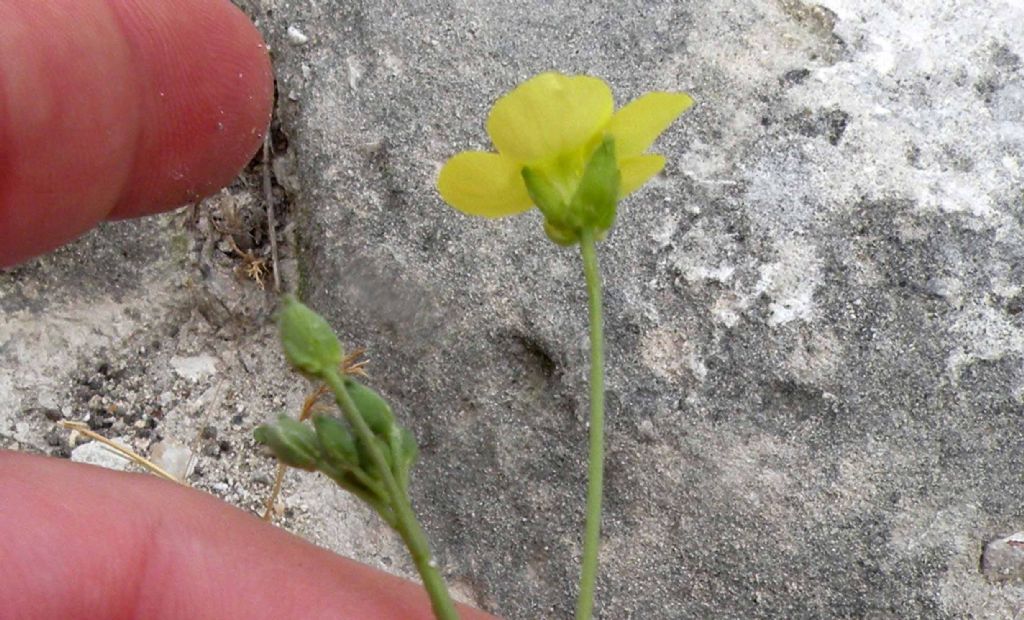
(1003, 559)
(95, 404)
(95, 453)
(296, 37)
(647, 432)
(97, 422)
(52, 414)
(194, 368)
(175, 458)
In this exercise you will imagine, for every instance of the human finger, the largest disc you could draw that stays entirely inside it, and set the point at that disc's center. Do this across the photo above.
(78, 541)
(117, 108)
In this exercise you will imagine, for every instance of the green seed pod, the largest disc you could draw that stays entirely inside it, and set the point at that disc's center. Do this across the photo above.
(407, 452)
(339, 447)
(262, 434)
(366, 462)
(407, 448)
(375, 410)
(291, 441)
(309, 342)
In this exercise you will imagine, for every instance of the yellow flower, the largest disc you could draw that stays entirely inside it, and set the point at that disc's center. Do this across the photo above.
(553, 125)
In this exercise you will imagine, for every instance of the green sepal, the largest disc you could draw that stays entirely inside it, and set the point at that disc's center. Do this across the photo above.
(337, 443)
(409, 449)
(544, 193)
(559, 234)
(261, 434)
(308, 340)
(292, 442)
(375, 410)
(406, 450)
(593, 204)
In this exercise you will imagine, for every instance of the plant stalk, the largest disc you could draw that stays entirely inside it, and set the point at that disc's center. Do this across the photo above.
(405, 520)
(595, 469)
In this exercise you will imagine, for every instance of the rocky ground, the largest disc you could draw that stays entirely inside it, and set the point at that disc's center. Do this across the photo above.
(815, 319)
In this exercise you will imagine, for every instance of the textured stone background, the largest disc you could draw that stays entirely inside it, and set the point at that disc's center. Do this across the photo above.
(815, 315)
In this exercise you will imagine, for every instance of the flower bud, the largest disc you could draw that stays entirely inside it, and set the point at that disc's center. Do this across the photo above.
(291, 441)
(366, 461)
(309, 342)
(403, 446)
(338, 445)
(375, 410)
(407, 450)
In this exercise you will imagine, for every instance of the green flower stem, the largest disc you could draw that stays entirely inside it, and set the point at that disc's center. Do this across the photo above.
(405, 521)
(595, 471)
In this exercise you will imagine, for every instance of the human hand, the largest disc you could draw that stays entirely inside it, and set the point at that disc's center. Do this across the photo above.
(119, 108)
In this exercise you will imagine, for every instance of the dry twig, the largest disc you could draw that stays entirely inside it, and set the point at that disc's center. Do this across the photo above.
(268, 195)
(127, 453)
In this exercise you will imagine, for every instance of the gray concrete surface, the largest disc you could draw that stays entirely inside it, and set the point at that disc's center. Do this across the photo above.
(815, 314)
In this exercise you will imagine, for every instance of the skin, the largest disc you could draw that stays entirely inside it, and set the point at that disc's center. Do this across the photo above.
(84, 542)
(120, 108)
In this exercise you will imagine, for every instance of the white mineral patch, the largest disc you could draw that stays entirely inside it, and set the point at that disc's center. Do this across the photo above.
(791, 282)
(95, 453)
(671, 356)
(175, 458)
(194, 368)
(296, 37)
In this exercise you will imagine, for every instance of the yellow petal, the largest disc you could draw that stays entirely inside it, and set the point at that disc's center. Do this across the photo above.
(485, 184)
(638, 170)
(636, 126)
(548, 115)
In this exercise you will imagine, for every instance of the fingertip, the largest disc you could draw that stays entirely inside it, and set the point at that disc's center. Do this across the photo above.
(68, 121)
(206, 94)
(121, 108)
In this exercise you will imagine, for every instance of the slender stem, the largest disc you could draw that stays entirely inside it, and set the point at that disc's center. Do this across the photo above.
(595, 469)
(268, 511)
(406, 524)
(268, 194)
